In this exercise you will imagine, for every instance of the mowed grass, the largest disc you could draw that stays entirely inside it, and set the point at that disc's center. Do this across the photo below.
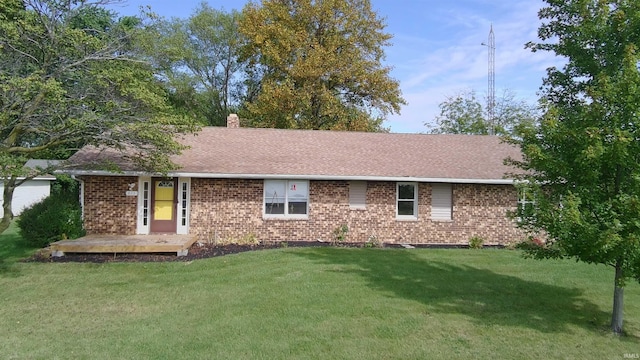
(314, 303)
(12, 247)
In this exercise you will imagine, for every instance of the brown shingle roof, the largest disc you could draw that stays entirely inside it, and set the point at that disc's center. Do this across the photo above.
(249, 152)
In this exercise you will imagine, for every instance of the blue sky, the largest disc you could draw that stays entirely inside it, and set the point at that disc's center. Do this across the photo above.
(436, 48)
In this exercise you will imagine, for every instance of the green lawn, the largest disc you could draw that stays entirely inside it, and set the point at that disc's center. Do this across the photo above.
(323, 303)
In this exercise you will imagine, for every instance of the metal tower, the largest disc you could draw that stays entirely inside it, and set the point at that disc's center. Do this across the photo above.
(491, 95)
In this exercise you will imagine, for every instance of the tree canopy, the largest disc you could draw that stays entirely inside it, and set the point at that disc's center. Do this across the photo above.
(198, 59)
(70, 75)
(464, 114)
(582, 163)
(317, 65)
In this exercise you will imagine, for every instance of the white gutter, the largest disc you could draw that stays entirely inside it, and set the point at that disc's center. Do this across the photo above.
(300, 177)
(40, 177)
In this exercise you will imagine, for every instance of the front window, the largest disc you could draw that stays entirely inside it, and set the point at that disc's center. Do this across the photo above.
(407, 201)
(286, 198)
(526, 202)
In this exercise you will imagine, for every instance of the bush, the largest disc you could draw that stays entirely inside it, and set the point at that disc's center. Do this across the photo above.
(373, 241)
(57, 217)
(340, 234)
(537, 248)
(476, 242)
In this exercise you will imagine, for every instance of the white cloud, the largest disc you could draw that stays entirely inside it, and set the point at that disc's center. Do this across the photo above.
(435, 64)
(436, 49)
(423, 107)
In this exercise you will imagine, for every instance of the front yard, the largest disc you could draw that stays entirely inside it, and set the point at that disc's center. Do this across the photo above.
(323, 303)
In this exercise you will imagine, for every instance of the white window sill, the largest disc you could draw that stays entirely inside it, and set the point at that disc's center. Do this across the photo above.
(285, 217)
(406, 218)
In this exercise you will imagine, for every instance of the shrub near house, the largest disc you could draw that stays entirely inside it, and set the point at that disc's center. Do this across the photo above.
(57, 217)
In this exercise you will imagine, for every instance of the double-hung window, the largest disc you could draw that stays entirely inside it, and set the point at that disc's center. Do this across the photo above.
(286, 198)
(407, 201)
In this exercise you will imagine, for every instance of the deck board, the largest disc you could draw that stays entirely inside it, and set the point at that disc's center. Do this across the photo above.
(125, 244)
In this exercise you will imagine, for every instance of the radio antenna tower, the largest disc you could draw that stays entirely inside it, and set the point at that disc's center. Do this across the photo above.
(491, 96)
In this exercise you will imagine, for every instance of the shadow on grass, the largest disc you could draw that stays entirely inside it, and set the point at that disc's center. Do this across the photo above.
(486, 297)
(12, 249)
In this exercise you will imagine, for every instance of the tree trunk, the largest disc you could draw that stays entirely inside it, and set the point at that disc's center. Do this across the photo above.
(618, 301)
(7, 200)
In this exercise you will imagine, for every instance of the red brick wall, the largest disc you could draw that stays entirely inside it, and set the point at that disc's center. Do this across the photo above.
(107, 209)
(232, 209)
(223, 209)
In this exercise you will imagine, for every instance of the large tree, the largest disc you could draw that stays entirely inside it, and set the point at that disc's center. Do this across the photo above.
(463, 113)
(582, 162)
(69, 76)
(317, 64)
(198, 58)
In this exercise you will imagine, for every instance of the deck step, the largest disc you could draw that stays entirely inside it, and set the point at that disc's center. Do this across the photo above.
(178, 244)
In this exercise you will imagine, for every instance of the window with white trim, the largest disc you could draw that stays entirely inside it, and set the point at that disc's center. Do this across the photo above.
(183, 201)
(286, 198)
(441, 202)
(526, 202)
(407, 200)
(145, 203)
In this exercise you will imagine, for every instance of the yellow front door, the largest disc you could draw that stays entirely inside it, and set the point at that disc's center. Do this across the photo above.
(163, 217)
(163, 205)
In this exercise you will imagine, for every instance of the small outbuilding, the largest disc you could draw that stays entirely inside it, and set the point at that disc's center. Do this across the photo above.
(31, 191)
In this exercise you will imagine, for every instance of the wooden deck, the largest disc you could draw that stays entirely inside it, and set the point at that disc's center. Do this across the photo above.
(111, 244)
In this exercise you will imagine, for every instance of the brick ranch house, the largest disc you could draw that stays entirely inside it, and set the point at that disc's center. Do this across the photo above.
(292, 185)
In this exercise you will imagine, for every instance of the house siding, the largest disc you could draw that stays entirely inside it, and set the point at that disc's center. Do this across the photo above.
(226, 209)
(27, 194)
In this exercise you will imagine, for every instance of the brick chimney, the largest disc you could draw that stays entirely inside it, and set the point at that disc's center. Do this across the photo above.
(233, 121)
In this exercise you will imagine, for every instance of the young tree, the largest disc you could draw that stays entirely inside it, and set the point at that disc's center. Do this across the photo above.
(463, 114)
(317, 64)
(583, 161)
(198, 59)
(69, 76)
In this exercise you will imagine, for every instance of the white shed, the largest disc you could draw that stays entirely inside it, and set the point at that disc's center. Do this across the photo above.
(31, 191)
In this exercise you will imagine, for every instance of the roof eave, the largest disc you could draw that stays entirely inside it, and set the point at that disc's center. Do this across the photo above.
(500, 181)
(40, 177)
